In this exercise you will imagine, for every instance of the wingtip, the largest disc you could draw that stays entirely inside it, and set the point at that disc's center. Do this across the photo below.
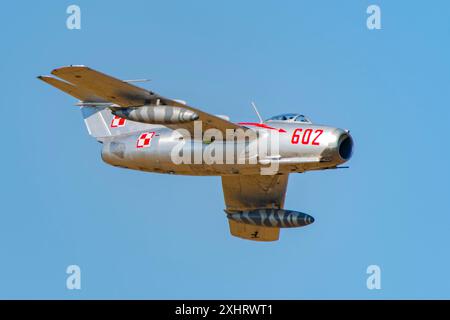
(72, 66)
(43, 78)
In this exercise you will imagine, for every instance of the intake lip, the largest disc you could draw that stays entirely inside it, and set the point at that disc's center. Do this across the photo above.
(345, 148)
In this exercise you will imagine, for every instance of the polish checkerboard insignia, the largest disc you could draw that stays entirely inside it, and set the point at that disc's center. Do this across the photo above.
(144, 140)
(117, 122)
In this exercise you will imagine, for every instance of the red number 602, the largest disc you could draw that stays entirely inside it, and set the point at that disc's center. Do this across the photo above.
(306, 137)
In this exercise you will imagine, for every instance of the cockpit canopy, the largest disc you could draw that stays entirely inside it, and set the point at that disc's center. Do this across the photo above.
(290, 117)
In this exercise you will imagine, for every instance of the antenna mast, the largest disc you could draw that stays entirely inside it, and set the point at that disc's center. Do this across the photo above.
(257, 113)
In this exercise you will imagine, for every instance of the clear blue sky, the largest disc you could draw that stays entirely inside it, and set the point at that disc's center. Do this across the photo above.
(140, 235)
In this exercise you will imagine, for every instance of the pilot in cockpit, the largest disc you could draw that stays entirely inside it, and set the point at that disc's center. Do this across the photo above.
(290, 117)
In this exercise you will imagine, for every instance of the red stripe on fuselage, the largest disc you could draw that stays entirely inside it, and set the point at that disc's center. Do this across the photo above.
(260, 125)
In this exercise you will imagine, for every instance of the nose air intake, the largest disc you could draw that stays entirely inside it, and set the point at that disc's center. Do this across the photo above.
(345, 147)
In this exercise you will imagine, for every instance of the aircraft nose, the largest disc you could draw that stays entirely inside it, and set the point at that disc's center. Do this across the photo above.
(345, 146)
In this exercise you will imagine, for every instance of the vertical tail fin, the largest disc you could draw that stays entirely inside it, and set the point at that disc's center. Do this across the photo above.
(101, 123)
(97, 121)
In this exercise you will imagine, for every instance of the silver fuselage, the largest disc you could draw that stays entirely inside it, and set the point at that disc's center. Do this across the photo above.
(299, 147)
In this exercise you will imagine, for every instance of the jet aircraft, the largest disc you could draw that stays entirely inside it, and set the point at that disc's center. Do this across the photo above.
(142, 130)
